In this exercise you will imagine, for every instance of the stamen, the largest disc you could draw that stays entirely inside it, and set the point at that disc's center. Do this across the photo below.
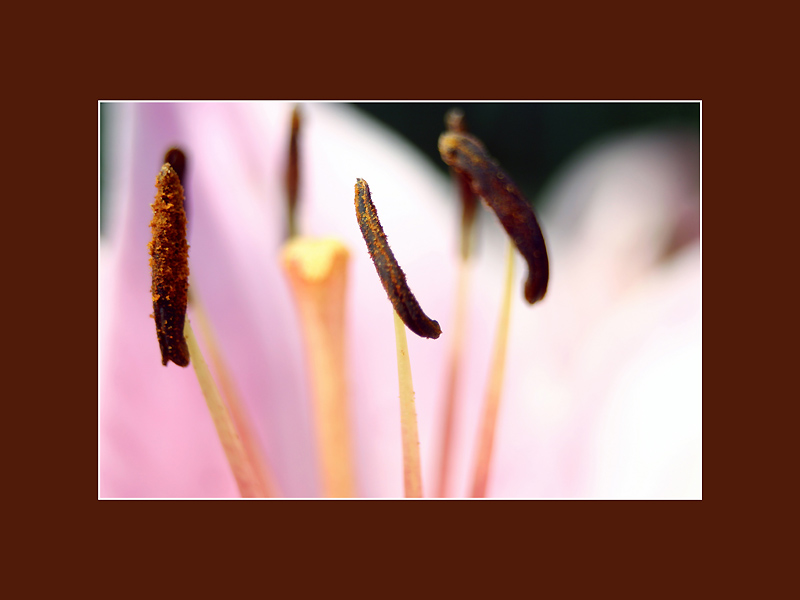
(317, 272)
(169, 263)
(455, 122)
(406, 311)
(293, 173)
(389, 271)
(466, 154)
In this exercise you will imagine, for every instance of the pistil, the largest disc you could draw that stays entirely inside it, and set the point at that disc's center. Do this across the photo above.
(317, 272)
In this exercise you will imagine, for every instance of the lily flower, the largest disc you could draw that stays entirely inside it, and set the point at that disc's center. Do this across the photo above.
(602, 388)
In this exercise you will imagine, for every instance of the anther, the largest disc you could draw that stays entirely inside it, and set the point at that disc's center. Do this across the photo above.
(169, 263)
(292, 176)
(466, 154)
(389, 271)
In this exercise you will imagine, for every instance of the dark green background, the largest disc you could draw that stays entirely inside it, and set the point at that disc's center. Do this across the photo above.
(532, 140)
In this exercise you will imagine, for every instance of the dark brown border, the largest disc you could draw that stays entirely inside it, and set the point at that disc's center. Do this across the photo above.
(620, 63)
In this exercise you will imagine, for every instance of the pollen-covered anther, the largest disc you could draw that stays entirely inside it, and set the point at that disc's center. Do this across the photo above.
(169, 264)
(389, 271)
(466, 154)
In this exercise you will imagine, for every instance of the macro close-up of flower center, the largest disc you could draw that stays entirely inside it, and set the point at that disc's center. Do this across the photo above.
(297, 302)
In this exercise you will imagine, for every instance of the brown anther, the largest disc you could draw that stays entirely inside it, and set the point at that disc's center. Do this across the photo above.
(169, 263)
(466, 154)
(293, 173)
(389, 271)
